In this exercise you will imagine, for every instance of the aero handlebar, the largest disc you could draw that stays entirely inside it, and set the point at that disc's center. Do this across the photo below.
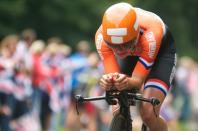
(126, 98)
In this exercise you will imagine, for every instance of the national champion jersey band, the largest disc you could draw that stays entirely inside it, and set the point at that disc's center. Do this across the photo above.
(158, 84)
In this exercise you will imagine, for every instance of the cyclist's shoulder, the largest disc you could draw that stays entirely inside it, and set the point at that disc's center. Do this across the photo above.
(144, 12)
(98, 31)
(145, 15)
(99, 37)
(150, 22)
(99, 41)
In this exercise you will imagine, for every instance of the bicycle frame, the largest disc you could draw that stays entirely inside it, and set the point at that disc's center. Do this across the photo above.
(125, 99)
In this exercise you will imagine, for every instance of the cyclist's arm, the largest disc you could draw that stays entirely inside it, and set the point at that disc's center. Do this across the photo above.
(151, 42)
(106, 54)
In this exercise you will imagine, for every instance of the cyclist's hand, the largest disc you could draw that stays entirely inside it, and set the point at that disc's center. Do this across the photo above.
(106, 81)
(121, 81)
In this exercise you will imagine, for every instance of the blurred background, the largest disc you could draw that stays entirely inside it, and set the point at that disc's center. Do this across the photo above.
(47, 55)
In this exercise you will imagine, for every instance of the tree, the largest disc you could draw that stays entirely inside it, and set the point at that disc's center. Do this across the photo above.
(79, 19)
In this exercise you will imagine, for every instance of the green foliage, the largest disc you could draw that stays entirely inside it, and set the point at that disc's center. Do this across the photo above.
(10, 12)
(73, 20)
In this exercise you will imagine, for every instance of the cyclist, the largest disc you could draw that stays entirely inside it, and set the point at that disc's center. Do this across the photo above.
(137, 51)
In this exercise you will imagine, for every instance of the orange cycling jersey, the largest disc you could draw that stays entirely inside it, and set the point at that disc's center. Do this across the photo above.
(147, 47)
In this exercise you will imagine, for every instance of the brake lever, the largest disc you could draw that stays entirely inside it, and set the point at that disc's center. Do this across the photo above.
(155, 101)
(79, 99)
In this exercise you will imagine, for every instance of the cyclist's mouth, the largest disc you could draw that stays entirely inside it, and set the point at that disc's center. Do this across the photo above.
(122, 54)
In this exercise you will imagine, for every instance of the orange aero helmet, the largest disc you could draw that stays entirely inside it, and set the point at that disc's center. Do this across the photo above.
(119, 24)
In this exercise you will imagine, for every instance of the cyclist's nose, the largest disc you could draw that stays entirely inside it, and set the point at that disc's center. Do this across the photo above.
(122, 48)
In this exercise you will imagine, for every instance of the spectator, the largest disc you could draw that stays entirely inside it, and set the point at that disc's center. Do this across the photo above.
(78, 66)
(182, 79)
(7, 72)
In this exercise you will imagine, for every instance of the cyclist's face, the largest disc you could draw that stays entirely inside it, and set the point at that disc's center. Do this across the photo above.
(123, 49)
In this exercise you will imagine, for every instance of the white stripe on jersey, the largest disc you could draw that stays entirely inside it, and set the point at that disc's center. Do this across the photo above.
(146, 62)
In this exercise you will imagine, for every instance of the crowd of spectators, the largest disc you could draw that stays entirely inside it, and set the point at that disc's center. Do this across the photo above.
(39, 79)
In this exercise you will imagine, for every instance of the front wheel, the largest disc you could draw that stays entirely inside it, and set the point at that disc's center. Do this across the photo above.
(144, 128)
(120, 123)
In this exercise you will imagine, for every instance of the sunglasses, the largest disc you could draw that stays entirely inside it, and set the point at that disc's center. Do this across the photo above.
(126, 45)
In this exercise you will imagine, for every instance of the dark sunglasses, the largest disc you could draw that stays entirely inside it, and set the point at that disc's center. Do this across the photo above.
(126, 45)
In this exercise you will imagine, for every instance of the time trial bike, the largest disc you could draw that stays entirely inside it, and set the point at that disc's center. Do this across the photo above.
(122, 121)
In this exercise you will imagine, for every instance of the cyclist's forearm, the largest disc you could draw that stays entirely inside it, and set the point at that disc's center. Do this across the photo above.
(135, 82)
